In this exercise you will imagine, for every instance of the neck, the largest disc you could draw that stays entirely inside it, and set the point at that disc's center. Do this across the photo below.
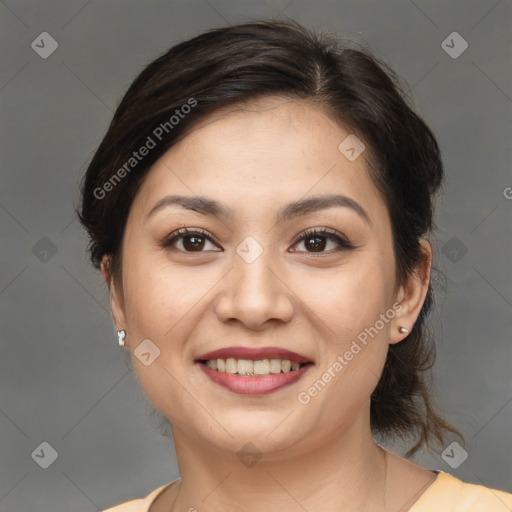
(347, 471)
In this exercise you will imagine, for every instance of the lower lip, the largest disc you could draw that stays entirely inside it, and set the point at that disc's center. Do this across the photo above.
(254, 385)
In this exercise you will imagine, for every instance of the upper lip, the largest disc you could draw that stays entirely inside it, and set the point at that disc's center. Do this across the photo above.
(254, 354)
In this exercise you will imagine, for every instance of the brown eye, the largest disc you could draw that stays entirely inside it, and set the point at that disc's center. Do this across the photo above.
(316, 240)
(190, 239)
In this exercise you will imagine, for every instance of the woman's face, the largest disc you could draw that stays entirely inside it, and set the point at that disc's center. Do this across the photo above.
(244, 281)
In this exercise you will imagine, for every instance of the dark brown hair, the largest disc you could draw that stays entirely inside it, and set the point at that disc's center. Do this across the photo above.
(236, 64)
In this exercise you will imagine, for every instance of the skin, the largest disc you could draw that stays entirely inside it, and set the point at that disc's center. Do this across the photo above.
(189, 303)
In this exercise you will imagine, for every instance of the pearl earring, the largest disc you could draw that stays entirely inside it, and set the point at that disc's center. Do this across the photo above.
(121, 335)
(403, 330)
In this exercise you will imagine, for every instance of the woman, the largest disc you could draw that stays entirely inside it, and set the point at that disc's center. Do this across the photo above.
(259, 209)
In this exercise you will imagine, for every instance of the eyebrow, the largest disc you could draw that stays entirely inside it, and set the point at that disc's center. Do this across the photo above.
(207, 206)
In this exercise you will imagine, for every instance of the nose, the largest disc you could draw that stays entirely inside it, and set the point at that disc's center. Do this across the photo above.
(254, 294)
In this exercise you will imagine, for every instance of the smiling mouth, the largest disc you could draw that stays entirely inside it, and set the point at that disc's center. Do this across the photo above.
(251, 368)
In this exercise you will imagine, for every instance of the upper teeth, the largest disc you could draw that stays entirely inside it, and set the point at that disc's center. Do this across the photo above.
(249, 367)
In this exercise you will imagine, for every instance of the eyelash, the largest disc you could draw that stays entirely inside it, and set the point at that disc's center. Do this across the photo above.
(334, 236)
(330, 234)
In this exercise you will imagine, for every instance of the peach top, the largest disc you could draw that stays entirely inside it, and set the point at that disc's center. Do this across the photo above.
(446, 493)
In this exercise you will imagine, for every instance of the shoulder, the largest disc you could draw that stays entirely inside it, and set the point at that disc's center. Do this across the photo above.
(141, 504)
(453, 494)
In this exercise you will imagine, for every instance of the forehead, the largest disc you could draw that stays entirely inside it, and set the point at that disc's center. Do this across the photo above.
(257, 152)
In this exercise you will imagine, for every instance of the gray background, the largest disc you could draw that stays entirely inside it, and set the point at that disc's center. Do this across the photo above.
(63, 378)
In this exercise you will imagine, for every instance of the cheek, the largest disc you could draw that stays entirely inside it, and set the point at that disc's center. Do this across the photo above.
(347, 299)
(160, 294)
(160, 306)
(349, 303)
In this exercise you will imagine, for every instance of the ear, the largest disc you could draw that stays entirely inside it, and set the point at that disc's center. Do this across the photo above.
(411, 295)
(116, 303)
